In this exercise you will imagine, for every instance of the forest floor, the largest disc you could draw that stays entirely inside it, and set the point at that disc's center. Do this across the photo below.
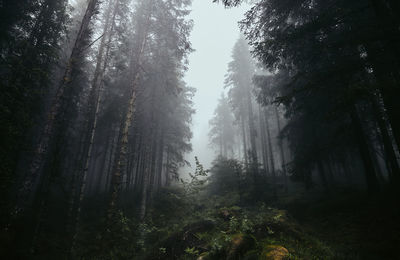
(244, 226)
(308, 225)
(354, 225)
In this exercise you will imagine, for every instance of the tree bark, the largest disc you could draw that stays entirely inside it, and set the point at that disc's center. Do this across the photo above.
(253, 133)
(263, 141)
(246, 161)
(322, 174)
(285, 178)
(394, 172)
(121, 154)
(370, 175)
(96, 96)
(271, 155)
(145, 183)
(33, 178)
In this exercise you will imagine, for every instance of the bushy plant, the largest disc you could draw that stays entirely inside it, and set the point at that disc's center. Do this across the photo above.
(226, 176)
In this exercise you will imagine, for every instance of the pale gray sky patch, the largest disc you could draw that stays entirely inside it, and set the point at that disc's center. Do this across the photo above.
(214, 34)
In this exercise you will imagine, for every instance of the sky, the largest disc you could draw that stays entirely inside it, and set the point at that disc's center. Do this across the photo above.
(214, 34)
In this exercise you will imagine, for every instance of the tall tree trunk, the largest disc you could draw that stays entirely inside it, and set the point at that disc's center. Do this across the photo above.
(167, 169)
(96, 97)
(220, 144)
(121, 154)
(390, 23)
(263, 141)
(139, 160)
(102, 172)
(160, 159)
(110, 158)
(33, 178)
(278, 122)
(322, 173)
(394, 172)
(246, 161)
(253, 133)
(370, 176)
(271, 155)
(145, 183)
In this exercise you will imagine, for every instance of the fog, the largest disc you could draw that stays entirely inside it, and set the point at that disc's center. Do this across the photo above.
(213, 37)
(156, 129)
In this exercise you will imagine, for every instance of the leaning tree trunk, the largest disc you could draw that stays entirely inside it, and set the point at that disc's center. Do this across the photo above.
(33, 178)
(391, 39)
(96, 96)
(123, 147)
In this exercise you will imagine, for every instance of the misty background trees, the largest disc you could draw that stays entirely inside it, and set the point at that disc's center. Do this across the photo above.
(327, 67)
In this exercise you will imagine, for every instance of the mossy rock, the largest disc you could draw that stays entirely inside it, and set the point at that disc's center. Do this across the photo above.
(274, 252)
(240, 244)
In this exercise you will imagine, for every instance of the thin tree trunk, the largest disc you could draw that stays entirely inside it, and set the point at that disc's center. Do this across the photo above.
(285, 178)
(145, 183)
(110, 159)
(167, 169)
(271, 155)
(244, 142)
(121, 154)
(160, 160)
(100, 174)
(394, 172)
(263, 141)
(34, 175)
(370, 176)
(254, 160)
(322, 173)
(96, 94)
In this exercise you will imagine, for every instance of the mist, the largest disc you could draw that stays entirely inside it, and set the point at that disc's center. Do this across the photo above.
(199, 129)
(215, 32)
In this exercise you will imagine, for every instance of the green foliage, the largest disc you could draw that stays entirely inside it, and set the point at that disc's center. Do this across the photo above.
(226, 175)
(30, 39)
(192, 251)
(197, 180)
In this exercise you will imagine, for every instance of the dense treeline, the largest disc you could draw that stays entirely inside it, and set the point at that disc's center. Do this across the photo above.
(331, 68)
(93, 107)
(246, 130)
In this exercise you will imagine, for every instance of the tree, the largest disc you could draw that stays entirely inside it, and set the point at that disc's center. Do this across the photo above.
(309, 43)
(33, 178)
(222, 133)
(239, 79)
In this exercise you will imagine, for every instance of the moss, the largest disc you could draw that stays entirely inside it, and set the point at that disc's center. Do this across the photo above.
(274, 252)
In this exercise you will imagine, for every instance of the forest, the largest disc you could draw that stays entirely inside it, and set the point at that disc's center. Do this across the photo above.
(97, 129)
